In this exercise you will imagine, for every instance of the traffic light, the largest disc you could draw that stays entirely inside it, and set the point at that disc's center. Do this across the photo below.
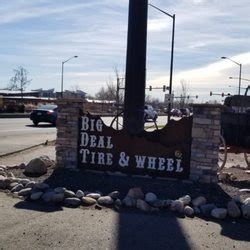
(222, 94)
(196, 96)
(164, 88)
(211, 93)
(150, 88)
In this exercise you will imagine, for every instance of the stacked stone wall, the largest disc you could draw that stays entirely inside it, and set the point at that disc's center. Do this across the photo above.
(67, 132)
(205, 142)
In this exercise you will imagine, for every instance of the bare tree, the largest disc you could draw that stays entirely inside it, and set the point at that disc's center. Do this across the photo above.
(183, 100)
(112, 90)
(20, 80)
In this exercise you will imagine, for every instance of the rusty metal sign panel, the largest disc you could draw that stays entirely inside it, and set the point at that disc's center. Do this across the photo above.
(164, 152)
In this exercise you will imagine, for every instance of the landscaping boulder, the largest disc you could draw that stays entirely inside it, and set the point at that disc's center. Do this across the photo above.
(4, 182)
(114, 195)
(245, 208)
(143, 205)
(37, 166)
(219, 213)
(185, 199)
(177, 206)
(57, 198)
(233, 209)
(95, 196)
(47, 196)
(69, 193)
(79, 194)
(150, 197)
(129, 201)
(105, 200)
(135, 193)
(201, 200)
(36, 196)
(188, 211)
(17, 188)
(72, 202)
(88, 201)
(25, 192)
(206, 209)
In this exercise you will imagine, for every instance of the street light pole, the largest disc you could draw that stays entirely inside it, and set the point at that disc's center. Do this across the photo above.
(63, 72)
(240, 65)
(244, 79)
(172, 55)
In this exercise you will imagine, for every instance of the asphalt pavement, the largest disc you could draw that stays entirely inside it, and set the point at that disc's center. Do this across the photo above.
(20, 133)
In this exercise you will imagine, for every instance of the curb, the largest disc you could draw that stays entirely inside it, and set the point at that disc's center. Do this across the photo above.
(28, 148)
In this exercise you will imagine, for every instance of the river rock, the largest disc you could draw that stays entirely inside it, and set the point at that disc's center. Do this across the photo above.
(79, 194)
(188, 211)
(244, 190)
(201, 200)
(219, 213)
(177, 206)
(105, 200)
(57, 198)
(129, 201)
(59, 190)
(114, 195)
(185, 199)
(162, 203)
(47, 196)
(72, 202)
(245, 208)
(30, 184)
(24, 181)
(12, 185)
(69, 193)
(118, 202)
(88, 201)
(25, 192)
(233, 210)
(135, 193)
(17, 188)
(4, 182)
(42, 186)
(95, 196)
(36, 196)
(142, 205)
(150, 197)
(206, 209)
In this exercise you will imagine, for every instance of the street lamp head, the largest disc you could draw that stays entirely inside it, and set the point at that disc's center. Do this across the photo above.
(223, 57)
(75, 56)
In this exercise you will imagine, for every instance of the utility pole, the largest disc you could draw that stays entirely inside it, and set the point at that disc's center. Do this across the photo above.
(136, 67)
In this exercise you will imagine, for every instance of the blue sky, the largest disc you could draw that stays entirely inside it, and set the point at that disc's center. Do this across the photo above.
(40, 34)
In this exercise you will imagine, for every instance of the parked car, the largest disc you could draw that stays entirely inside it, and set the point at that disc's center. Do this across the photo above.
(45, 113)
(185, 112)
(150, 113)
(175, 112)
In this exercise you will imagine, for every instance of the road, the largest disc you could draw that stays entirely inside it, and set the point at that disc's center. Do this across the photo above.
(26, 225)
(19, 133)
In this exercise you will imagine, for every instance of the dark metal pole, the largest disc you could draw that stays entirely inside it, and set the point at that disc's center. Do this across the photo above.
(136, 67)
(62, 81)
(117, 102)
(171, 67)
(240, 78)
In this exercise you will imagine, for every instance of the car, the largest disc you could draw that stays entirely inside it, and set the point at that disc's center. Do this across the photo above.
(45, 113)
(175, 112)
(150, 113)
(185, 112)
